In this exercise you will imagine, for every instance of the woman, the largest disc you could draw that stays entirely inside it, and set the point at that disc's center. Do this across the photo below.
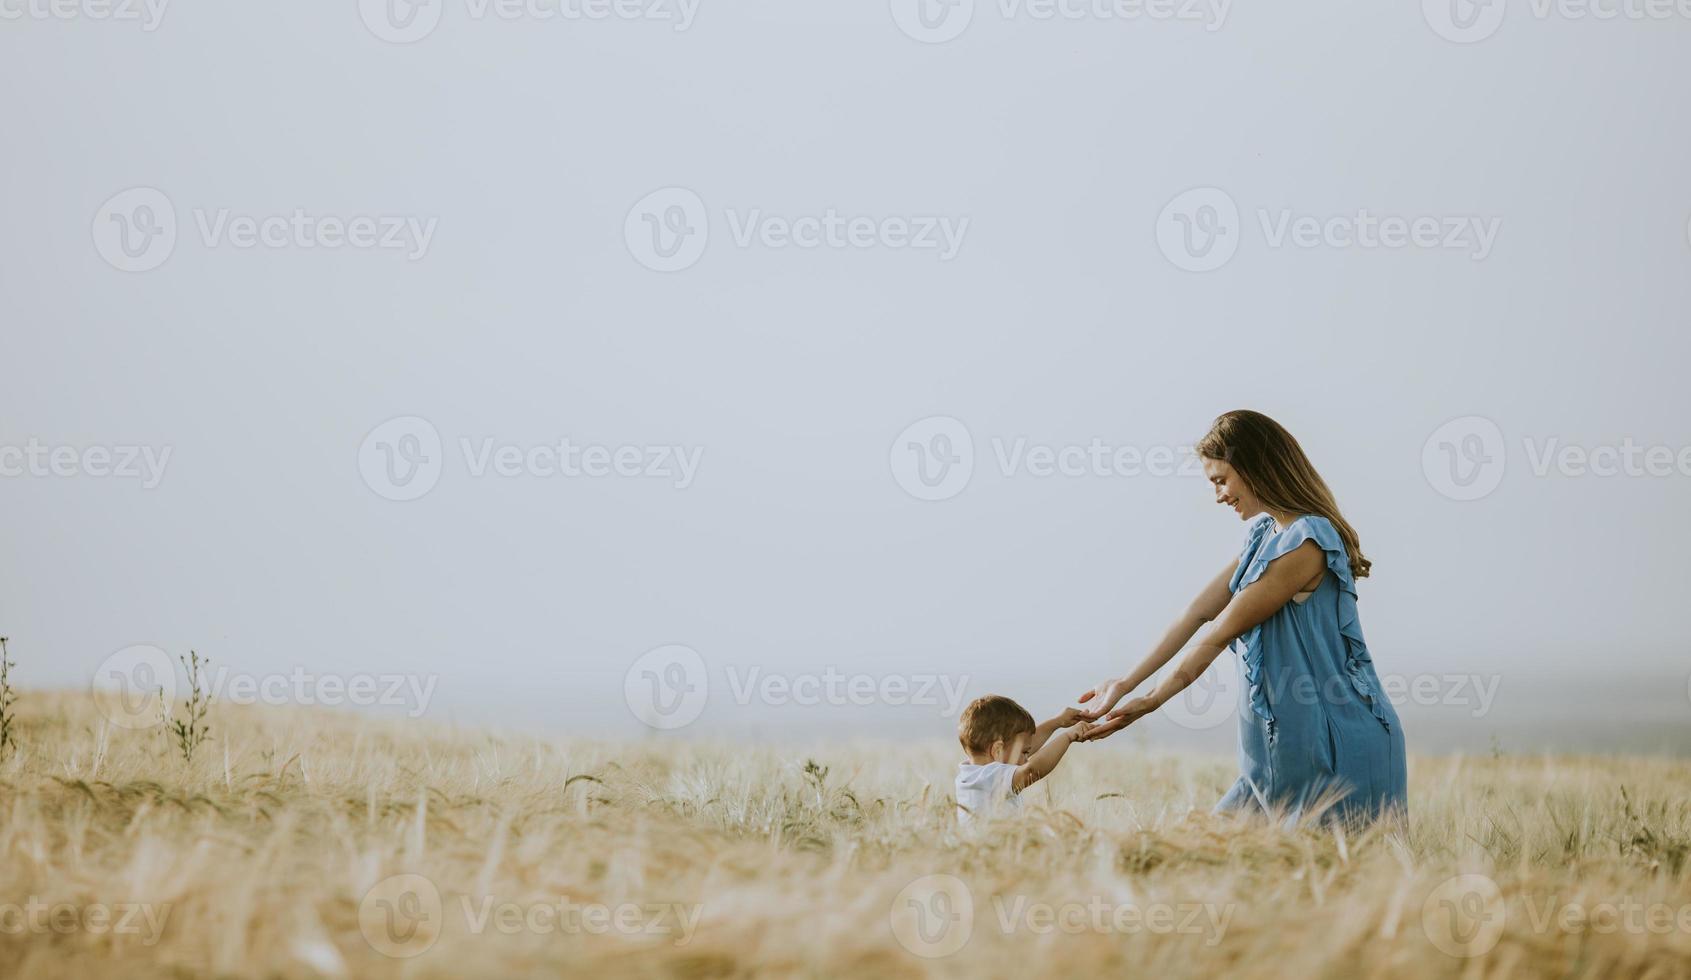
(1315, 726)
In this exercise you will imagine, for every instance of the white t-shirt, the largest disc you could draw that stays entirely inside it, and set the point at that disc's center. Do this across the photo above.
(985, 789)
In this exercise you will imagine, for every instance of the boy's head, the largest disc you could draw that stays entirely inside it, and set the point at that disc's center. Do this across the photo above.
(995, 728)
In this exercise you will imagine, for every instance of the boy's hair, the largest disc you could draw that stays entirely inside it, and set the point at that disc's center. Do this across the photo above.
(990, 719)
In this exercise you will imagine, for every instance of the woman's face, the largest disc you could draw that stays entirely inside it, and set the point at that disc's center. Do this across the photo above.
(1231, 490)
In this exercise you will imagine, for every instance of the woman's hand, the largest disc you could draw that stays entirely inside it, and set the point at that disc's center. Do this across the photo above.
(1103, 698)
(1120, 718)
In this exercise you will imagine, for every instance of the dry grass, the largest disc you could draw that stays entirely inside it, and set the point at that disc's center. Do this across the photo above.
(259, 858)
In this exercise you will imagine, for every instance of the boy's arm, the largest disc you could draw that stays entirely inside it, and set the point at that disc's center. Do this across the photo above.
(1043, 730)
(1046, 759)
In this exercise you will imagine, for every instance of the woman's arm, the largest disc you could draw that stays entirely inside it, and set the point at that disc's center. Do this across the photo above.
(1283, 579)
(1207, 606)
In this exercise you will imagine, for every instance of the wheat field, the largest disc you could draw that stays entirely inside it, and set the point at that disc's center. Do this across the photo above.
(302, 843)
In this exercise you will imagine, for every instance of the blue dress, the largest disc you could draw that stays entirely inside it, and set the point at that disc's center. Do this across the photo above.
(1314, 723)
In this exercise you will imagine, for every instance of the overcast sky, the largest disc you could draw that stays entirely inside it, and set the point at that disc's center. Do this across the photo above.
(749, 329)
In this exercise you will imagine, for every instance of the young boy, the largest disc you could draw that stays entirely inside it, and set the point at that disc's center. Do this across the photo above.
(1007, 752)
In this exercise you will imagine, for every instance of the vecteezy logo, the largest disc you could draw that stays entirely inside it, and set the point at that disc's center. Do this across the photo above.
(667, 687)
(934, 458)
(1199, 230)
(1464, 916)
(933, 916)
(128, 686)
(401, 916)
(1464, 458)
(1464, 21)
(401, 458)
(401, 21)
(135, 230)
(1207, 702)
(933, 21)
(667, 230)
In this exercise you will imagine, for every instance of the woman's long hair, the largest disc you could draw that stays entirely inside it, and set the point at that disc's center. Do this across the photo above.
(1277, 471)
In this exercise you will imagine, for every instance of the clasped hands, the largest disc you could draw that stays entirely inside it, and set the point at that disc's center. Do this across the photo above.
(1105, 716)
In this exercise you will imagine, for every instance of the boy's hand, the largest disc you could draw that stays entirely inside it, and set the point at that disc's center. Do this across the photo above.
(1080, 731)
(1122, 717)
(1069, 716)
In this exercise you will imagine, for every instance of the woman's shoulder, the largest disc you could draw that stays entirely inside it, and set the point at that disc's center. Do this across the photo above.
(1306, 530)
(1263, 543)
(1312, 526)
